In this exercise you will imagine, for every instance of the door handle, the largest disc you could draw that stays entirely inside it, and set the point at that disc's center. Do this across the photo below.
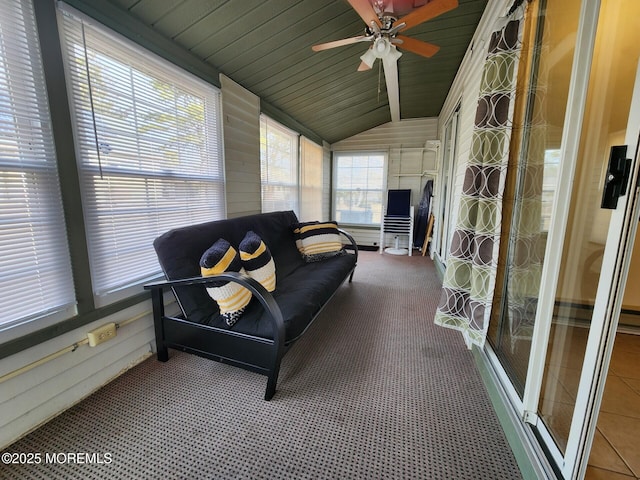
(615, 184)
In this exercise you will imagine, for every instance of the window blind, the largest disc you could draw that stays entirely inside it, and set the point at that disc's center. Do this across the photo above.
(359, 187)
(36, 275)
(278, 166)
(310, 181)
(149, 145)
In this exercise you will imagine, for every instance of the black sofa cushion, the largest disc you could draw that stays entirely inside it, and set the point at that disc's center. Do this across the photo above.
(302, 288)
(299, 296)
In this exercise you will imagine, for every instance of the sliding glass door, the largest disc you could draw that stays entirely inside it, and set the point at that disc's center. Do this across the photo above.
(572, 220)
(530, 190)
(597, 227)
(443, 221)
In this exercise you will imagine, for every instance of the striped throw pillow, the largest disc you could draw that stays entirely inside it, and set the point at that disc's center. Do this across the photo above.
(257, 261)
(232, 298)
(317, 241)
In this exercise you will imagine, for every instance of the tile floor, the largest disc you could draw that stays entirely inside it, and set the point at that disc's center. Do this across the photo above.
(616, 449)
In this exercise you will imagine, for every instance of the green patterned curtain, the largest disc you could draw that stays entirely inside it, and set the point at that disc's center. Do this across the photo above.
(469, 280)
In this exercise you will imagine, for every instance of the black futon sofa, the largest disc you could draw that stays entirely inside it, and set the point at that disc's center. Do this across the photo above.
(272, 322)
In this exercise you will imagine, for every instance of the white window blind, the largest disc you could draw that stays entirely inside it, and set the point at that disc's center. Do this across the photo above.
(149, 145)
(310, 181)
(278, 166)
(359, 187)
(35, 278)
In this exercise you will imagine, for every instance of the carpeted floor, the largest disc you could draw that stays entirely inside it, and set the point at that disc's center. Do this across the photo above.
(374, 390)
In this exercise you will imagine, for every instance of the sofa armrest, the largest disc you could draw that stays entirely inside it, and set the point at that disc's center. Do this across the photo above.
(353, 242)
(261, 293)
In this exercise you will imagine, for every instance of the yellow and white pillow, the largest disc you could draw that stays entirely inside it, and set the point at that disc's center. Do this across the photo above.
(317, 241)
(257, 260)
(232, 298)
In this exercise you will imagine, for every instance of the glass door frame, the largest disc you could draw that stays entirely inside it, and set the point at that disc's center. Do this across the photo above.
(572, 464)
(570, 143)
(616, 262)
(449, 154)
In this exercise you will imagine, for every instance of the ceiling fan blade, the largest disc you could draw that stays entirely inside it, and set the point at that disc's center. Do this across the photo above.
(366, 11)
(417, 46)
(363, 67)
(340, 43)
(390, 64)
(427, 12)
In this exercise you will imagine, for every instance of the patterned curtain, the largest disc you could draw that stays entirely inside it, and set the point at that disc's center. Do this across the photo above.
(467, 290)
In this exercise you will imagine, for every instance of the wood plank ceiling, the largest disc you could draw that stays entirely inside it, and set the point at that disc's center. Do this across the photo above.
(265, 46)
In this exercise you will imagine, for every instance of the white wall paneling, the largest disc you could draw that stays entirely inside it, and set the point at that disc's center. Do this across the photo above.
(241, 129)
(410, 163)
(35, 396)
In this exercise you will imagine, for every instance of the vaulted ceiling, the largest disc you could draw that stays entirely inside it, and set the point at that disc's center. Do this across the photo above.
(265, 46)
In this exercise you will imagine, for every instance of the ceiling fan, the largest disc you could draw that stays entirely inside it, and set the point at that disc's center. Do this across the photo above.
(383, 28)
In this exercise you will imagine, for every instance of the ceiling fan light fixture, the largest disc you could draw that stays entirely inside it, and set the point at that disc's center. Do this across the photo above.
(394, 54)
(381, 47)
(384, 21)
(369, 57)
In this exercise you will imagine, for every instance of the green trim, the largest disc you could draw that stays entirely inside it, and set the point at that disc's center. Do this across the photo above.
(440, 267)
(358, 226)
(330, 213)
(53, 65)
(513, 427)
(45, 11)
(127, 25)
(119, 20)
(40, 336)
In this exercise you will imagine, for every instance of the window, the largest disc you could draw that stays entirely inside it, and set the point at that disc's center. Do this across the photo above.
(445, 192)
(310, 181)
(550, 171)
(359, 187)
(149, 149)
(278, 166)
(36, 278)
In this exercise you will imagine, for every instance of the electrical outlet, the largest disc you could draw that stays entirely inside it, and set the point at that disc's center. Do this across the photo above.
(102, 334)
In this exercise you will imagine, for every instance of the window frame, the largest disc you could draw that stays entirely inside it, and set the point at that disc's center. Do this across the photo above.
(31, 184)
(89, 141)
(266, 124)
(310, 202)
(335, 180)
(29, 334)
